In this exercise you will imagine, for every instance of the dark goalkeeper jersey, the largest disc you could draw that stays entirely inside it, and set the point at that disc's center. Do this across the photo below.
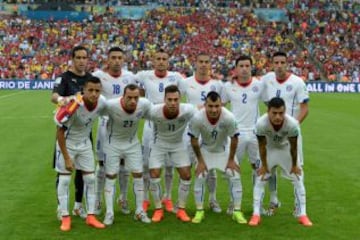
(68, 83)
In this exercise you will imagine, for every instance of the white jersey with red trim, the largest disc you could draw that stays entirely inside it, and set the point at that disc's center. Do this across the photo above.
(214, 137)
(113, 87)
(123, 126)
(244, 100)
(279, 138)
(293, 91)
(170, 131)
(197, 91)
(155, 86)
(80, 124)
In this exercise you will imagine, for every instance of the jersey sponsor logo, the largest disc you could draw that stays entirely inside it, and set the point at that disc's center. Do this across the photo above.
(74, 80)
(222, 125)
(289, 88)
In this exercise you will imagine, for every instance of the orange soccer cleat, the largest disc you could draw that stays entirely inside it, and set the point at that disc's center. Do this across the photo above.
(93, 222)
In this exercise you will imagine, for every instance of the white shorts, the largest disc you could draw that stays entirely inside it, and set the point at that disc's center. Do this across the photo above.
(218, 160)
(100, 137)
(281, 157)
(117, 150)
(162, 154)
(248, 143)
(81, 154)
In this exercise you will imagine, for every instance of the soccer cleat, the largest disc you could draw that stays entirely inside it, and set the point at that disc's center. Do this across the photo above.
(215, 207)
(182, 215)
(124, 206)
(142, 216)
(230, 208)
(199, 216)
(238, 217)
(273, 207)
(255, 220)
(93, 222)
(109, 219)
(169, 207)
(80, 212)
(146, 205)
(304, 220)
(65, 223)
(158, 215)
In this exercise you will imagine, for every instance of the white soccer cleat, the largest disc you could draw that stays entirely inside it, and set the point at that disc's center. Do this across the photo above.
(124, 206)
(142, 216)
(80, 212)
(215, 206)
(109, 219)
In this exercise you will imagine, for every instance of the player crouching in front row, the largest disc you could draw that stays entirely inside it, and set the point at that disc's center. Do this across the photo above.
(74, 150)
(214, 124)
(277, 135)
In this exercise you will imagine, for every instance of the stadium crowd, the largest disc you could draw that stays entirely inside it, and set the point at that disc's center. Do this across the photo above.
(318, 41)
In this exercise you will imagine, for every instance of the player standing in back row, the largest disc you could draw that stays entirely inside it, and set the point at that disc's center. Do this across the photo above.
(66, 86)
(114, 79)
(197, 88)
(292, 89)
(154, 83)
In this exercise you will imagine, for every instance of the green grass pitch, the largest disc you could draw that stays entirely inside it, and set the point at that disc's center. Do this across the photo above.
(27, 181)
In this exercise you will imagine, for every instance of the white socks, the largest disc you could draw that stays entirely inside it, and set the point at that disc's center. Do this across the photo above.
(89, 183)
(138, 186)
(155, 189)
(109, 193)
(183, 192)
(63, 194)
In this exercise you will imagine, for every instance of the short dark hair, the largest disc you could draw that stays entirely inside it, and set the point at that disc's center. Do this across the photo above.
(92, 79)
(115, 49)
(276, 102)
(78, 48)
(279, 54)
(171, 89)
(213, 96)
(243, 58)
(202, 54)
(131, 87)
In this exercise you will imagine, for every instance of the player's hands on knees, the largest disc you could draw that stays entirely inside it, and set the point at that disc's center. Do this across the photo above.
(233, 167)
(69, 165)
(262, 171)
(201, 169)
(295, 170)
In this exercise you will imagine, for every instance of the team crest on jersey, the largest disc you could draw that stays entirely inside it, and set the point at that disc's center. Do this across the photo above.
(74, 80)
(212, 88)
(125, 81)
(289, 88)
(139, 114)
(181, 120)
(171, 79)
(222, 125)
(255, 89)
